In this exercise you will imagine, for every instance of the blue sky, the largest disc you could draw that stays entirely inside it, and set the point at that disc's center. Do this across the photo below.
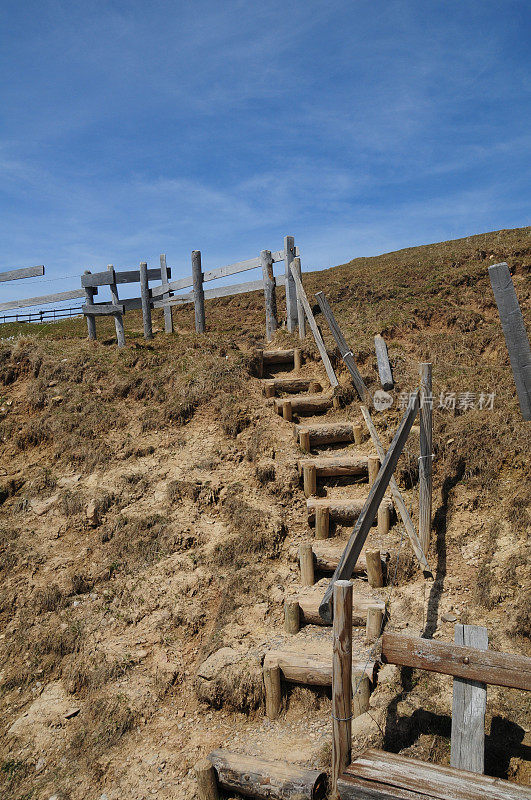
(128, 129)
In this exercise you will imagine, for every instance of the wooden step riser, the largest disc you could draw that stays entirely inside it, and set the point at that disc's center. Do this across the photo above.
(341, 512)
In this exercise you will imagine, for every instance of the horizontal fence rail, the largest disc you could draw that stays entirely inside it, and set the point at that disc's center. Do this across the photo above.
(43, 315)
(25, 272)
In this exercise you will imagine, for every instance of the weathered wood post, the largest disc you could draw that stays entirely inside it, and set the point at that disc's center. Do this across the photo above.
(300, 308)
(297, 358)
(199, 295)
(207, 784)
(306, 564)
(287, 411)
(384, 519)
(146, 301)
(373, 560)
(361, 691)
(375, 620)
(468, 708)
(269, 294)
(358, 434)
(309, 474)
(341, 681)
(89, 300)
(373, 466)
(272, 688)
(118, 318)
(168, 319)
(292, 616)
(384, 367)
(291, 292)
(304, 441)
(322, 522)
(426, 457)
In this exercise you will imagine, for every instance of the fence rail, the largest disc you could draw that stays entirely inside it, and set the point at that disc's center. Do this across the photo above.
(43, 315)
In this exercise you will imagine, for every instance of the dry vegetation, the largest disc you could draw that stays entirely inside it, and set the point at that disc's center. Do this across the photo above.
(148, 494)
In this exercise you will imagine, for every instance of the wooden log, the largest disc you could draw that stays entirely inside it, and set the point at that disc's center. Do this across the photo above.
(396, 495)
(322, 522)
(297, 358)
(514, 332)
(327, 554)
(370, 508)
(358, 434)
(300, 310)
(231, 269)
(24, 272)
(301, 294)
(310, 480)
(287, 411)
(118, 315)
(373, 466)
(337, 466)
(207, 784)
(269, 391)
(315, 387)
(327, 433)
(306, 564)
(269, 294)
(164, 277)
(344, 512)
(291, 291)
(291, 616)
(309, 609)
(361, 692)
(469, 705)
(128, 276)
(384, 367)
(374, 568)
(103, 309)
(306, 403)
(272, 688)
(344, 349)
(42, 300)
(377, 774)
(146, 302)
(293, 385)
(278, 357)
(304, 441)
(341, 680)
(426, 457)
(499, 669)
(375, 618)
(199, 295)
(384, 520)
(311, 669)
(267, 780)
(89, 300)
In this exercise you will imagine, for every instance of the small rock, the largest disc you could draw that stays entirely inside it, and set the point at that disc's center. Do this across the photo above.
(91, 512)
(449, 617)
(39, 766)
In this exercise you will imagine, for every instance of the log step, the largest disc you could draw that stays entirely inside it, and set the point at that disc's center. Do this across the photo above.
(336, 466)
(306, 403)
(344, 512)
(312, 669)
(255, 777)
(278, 356)
(327, 554)
(326, 433)
(309, 608)
(291, 385)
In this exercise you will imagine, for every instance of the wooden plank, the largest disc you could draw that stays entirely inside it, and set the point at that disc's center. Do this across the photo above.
(426, 456)
(301, 295)
(103, 309)
(515, 333)
(301, 319)
(390, 771)
(291, 291)
(118, 317)
(231, 269)
(341, 680)
(345, 351)
(498, 669)
(267, 780)
(469, 704)
(127, 276)
(164, 277)
(42, 300)
(396, 494)
(370, 509)
(384, 367)
(24, 272)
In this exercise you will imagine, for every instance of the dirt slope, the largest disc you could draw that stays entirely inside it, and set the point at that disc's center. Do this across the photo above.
(151, 506)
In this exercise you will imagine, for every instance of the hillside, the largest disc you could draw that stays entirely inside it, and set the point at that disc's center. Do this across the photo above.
(151, 506)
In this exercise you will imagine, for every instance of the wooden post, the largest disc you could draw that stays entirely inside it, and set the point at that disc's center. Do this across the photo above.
(300, 310)
(514, 332)
(322, 522)
(291, 291)
(207, 785)
(310, 480)
(89, 300)
(146, 301)
(269, 391)
(287, 412)
(291, 616)
(374, 468)
(199, 295)
(297, 358)
(384, 367)
(306, 564)
(315, 330)
(373, 560)
(361, 692)
(358, 434)
(260, 363)
(273, 691)
(375, 619)
(344, 349)
(118, 318)
(468, 708)
(304, 441)
(341, 681)
(168, 319)
(426, 457)
(384, 520)
(269, 294)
